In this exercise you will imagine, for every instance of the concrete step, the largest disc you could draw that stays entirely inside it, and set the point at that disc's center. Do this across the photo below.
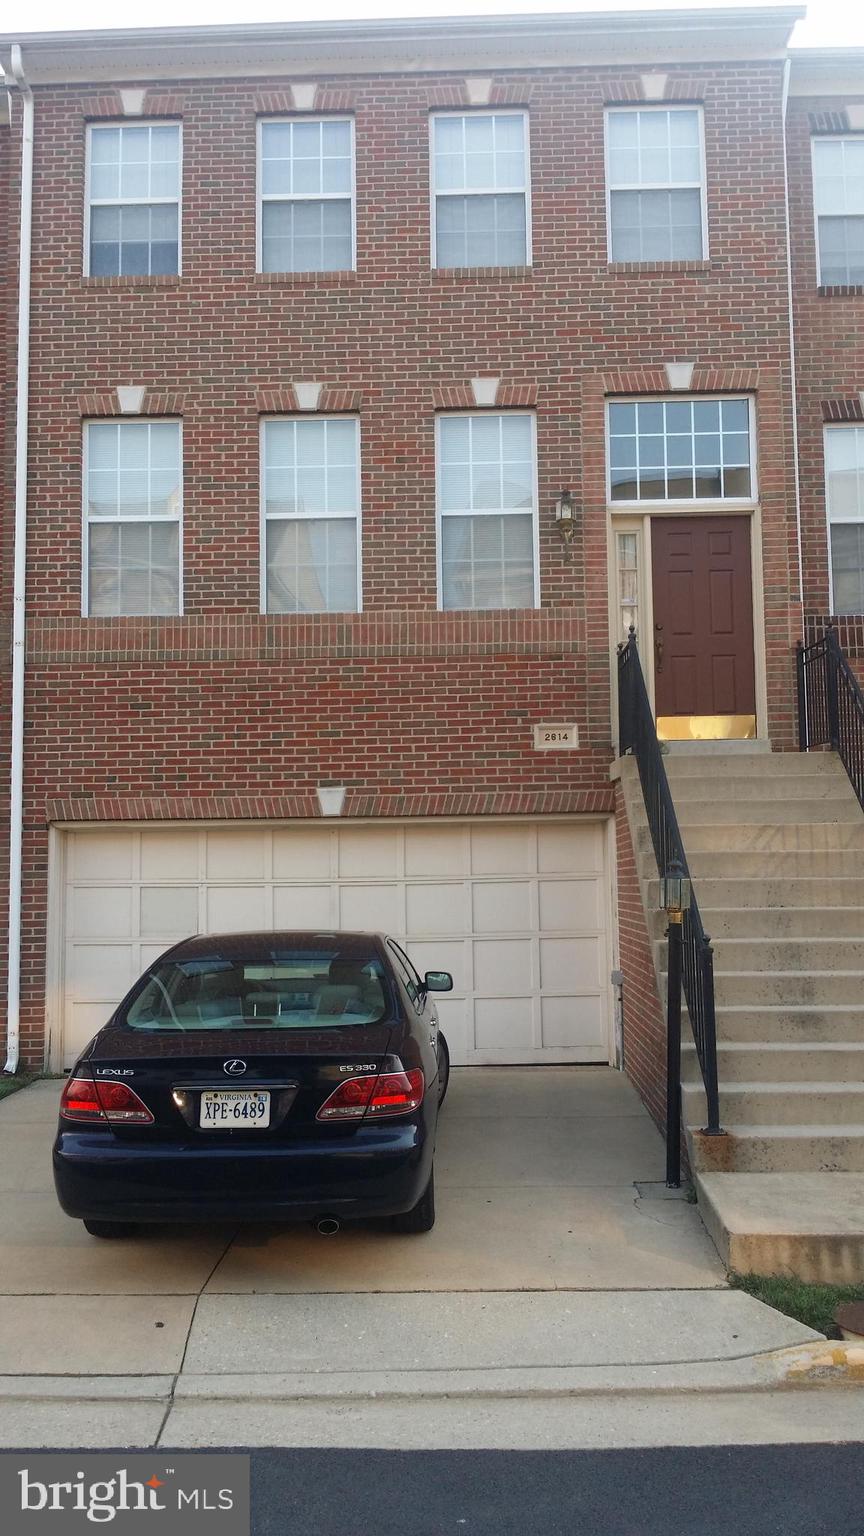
(830, 1104)
(731, 956)
(774, 895)
(755, 1148)
(798, 988)
(808, 1024)
(710, 864)
(763, 1061)
(770, 923)
(790, 789)
(723, 811)
(765, 838)
(805, 1224)
(756, 765)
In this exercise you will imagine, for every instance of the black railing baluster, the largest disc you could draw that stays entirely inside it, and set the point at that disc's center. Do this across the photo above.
(831, 706)
(637, 734)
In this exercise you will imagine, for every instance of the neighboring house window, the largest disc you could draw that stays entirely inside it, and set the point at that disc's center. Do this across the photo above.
(133, 487)
(311, 487)
(656, 184)
(487, 510)
(680, 450)
(133, 202)
(480, 181)
(838, 188)
(307, 195)
(844, 486)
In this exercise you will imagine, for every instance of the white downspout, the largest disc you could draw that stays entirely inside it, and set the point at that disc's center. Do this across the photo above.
(16, 814)
(787, 69)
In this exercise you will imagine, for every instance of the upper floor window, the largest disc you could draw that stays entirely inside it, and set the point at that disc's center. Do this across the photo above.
(311, 494)
(306, 180)
(838, 189)
(480, 189)
(132, 511)
(680, 450)
(844, 494)
(487, 505)
(655, 171)
(133, 200)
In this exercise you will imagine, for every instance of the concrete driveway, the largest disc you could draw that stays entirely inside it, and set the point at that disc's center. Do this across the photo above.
(556, 1246)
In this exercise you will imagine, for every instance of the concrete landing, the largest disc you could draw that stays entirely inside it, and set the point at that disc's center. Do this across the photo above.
(805, 1224)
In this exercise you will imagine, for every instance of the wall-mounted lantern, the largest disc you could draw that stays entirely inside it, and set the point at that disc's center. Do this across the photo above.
(565, 516)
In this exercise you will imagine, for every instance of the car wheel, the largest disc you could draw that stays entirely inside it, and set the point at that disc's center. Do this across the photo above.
(443, 1068)
(421, 1217)
(110, 1228)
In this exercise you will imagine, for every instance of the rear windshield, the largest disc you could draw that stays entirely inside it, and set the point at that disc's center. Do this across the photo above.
(294, 989)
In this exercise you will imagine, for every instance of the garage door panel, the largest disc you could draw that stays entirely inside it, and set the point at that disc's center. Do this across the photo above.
(453, 1017)
(570, 904)
(237, 908)
(507, 1022)
(303, 854)
(102, 856)
(170, 855)
(568, 849)
(502, 906)
(442, 955)
(97, 971)
(568, 1022)
(436, 851)
(503, 967)
(503, 850)
(303, 906)
(365, 852)
(169, 910)
(568, 965)
(101, 912)
(241, 855)
(436, 908)
(83, 1021)
(371, 908)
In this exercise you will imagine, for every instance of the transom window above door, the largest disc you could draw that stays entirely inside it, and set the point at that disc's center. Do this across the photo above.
(306, 180)
(680, 450)
(838, 190)
(133, 201)
(655, 168)
(844, 494)
(480, 201)
(487, 511)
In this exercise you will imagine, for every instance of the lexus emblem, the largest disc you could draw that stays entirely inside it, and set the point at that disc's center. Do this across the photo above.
(234, 1067)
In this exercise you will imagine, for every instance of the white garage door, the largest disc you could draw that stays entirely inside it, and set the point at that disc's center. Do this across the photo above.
(517, 910)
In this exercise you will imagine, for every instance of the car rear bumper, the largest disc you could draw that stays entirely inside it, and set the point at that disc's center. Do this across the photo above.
(378, 1171)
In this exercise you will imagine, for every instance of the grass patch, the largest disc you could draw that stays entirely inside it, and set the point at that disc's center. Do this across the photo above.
(811, 1304)
(12, 1084)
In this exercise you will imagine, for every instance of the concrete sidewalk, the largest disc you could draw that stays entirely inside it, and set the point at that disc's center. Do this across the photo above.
(559, 1269)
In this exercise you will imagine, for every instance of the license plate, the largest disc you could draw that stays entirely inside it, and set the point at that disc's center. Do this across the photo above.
(223, 1110)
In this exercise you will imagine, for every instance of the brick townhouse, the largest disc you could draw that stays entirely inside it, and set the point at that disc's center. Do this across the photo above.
(380, 376)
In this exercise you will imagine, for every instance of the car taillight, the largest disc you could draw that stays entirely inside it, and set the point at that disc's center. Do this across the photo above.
(390, 1093)
(84, 1099)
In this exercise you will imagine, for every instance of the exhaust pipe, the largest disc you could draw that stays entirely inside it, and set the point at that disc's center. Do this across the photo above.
(328, 1226)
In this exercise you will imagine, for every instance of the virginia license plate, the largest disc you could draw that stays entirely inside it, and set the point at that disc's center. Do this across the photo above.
(223, 1109)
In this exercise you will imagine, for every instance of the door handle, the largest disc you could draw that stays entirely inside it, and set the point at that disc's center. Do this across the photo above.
(658, 647)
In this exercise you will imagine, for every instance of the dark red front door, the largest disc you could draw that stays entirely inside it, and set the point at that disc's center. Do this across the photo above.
(703, 616)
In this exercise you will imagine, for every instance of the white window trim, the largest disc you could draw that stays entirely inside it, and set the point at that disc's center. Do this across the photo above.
(304, 197)
(525, 190)
(132, 202)
(664, 186)
(439, 515)
(85, 533)
(346, 517)
(814, 137)
(847, 522)
(694, 503)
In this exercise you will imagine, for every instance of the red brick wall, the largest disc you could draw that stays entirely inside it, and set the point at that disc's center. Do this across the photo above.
(644, 1022)
(229, 705)
(829, 345)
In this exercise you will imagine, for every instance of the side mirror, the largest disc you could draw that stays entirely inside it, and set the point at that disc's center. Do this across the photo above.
(438, 981)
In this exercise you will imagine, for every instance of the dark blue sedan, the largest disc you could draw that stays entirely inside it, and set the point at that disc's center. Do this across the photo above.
(265, 1076)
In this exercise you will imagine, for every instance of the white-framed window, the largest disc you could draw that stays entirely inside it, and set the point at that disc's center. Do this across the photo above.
(481, 189)
(133, 487)
(844, 498)
(627, 566)
(310, 492)
(689, 450)
(487, 510)
(132, 199)
(655, 184)
(306, 217)
(838, 194)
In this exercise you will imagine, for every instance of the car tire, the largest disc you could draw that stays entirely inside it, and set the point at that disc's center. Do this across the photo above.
(443, 1068)
(110, 1228)
(421, 1217)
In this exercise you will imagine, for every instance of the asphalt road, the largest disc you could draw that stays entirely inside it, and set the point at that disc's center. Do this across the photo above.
(790, 1490)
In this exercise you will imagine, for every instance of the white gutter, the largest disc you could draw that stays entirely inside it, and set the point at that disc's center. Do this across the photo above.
(16, 814)
(787, 69)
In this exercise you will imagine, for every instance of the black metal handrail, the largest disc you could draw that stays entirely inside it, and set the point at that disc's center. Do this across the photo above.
(638, 735)
(831, 705)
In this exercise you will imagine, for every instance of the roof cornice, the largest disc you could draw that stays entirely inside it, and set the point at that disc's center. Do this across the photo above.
(826, 72)
(454, 43)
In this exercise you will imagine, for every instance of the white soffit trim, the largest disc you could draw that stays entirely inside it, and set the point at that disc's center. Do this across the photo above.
(654, 87)
(130, 398)
(308, 396)
(826, 72)
(679, 375)
(303, 92)
(479, 88)
(485, 391)
(855, 112)
(132, 101)
(331, 799)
